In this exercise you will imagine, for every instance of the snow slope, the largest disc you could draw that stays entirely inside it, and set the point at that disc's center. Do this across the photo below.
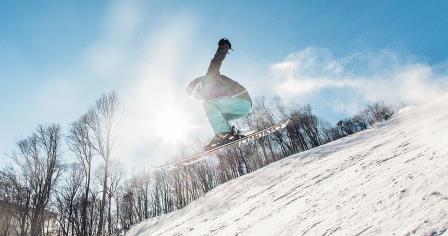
(390, 179)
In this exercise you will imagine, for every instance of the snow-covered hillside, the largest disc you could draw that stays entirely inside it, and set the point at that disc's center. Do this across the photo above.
(389, 180)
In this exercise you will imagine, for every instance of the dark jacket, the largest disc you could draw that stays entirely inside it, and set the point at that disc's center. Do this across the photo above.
(213, 84)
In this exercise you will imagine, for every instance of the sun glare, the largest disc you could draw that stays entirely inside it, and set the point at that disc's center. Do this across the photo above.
(171, 126)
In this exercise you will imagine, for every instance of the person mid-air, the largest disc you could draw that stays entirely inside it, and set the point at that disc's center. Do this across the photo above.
(223, 99)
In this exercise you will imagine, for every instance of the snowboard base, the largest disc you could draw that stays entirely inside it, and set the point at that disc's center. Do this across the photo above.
(239, 142)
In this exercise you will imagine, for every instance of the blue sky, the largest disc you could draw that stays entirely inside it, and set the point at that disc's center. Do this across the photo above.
(57, 57)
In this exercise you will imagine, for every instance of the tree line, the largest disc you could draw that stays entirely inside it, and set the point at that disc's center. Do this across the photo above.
(41, 194)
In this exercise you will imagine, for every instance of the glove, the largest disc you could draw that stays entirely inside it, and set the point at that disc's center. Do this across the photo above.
(223, 42)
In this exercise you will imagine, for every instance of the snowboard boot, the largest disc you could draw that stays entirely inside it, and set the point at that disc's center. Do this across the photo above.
(236, 133)
(224, 138)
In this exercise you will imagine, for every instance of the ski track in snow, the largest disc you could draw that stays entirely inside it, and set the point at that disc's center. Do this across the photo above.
(391, 179)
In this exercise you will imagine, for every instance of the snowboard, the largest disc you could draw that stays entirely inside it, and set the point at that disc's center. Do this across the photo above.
(238, 142)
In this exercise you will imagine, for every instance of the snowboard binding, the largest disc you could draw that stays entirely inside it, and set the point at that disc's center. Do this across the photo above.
(224, 138)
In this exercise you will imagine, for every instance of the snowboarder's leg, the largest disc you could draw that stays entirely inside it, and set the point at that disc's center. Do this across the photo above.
(221, 110)
(234, 108)
(216, 117)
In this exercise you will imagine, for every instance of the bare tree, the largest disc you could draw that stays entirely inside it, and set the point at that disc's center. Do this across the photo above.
(378, 112)
(115, 176)
(101, 119)
(8, 202)
(37, 169)
(79, 142)
(16, 197)
(205, 174)
(328, 132)
(67, 200)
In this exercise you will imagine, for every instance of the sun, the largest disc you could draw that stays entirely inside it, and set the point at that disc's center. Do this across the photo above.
(171, 126)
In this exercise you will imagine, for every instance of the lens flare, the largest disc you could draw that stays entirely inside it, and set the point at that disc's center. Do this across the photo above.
(171, 126)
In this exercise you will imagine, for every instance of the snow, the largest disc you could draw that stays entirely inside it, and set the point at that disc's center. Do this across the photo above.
(391, 179)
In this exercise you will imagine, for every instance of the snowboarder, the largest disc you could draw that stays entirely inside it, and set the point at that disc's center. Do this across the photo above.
(223, 99)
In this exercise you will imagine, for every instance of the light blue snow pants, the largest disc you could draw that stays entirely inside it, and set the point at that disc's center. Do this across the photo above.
(221, 110)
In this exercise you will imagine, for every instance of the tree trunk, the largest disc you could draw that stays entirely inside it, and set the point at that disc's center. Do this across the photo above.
(84, 206)
(103, 201)
(109, 217)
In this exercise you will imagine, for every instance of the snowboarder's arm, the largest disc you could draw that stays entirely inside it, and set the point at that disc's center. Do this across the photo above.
(215, 64)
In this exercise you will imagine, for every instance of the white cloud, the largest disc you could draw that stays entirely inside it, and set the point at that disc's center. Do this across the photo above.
(363, 77)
